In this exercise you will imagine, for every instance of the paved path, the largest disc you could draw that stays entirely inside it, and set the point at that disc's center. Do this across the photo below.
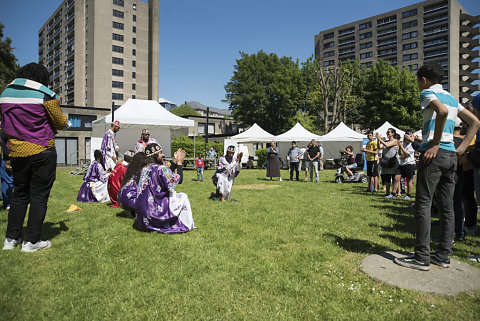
(460, 277)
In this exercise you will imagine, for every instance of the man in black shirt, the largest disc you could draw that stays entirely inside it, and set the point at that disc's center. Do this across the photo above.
(313, 157)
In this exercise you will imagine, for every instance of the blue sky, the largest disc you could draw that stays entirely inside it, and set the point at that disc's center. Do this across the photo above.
(200, 40)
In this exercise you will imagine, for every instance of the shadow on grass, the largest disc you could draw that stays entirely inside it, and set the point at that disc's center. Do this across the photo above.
(50, 230)
(357, 245)
(125, 214)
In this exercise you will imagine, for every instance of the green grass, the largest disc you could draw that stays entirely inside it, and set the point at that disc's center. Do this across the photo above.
(291, 252)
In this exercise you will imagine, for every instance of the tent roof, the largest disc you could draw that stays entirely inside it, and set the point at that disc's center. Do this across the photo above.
(342, 133)
(386, 125)
(145, 112)
(297, 133)
(254, 134)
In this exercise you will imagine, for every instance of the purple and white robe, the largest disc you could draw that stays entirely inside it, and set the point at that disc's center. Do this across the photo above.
(127, 197)
(94, 188)
(108, 148)
(159, 207)
(225, 175)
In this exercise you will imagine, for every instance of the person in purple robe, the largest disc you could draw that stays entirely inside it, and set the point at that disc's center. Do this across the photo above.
(127, 197)
(110, 147)
(159, 207)
(94, 188)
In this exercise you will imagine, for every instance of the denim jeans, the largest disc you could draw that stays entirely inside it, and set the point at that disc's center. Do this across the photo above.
(436, 177)
(311, 166)
(200, 174)
(294, 167)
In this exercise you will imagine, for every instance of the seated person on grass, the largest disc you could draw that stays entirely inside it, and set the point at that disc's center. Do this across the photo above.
(127, 196)
(228, 170)
(115, 178)
(94, 188)
(351, 163)
(159, 207)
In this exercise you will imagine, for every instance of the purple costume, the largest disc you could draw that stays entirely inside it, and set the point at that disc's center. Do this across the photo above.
(94, 188)
(159, 208)
(108, 148)
(127, 197)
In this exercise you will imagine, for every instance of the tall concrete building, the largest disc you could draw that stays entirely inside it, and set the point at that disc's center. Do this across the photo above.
(99, 52)
(429, 31)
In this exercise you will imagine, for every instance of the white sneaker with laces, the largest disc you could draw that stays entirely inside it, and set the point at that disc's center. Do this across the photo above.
(32, 247)
(10, 244)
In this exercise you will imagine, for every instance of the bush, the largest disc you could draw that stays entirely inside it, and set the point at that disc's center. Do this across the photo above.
(262, 156)
(186, 144)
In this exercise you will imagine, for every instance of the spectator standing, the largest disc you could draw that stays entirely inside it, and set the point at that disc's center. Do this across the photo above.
(458, 209)
(110, 147)
(212, 155)
(307, 162)
(199, 165)
(471, 227)
(436, 171)
(371, 151)
(313, 156)
(273, 163)
(6, 174)
(406, 154)
(294, 153)
(389, 161)
(144, 140)
(31, 116)
(320, 158)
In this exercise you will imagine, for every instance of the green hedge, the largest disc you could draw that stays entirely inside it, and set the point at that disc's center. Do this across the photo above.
(261, 153)
(186, 144)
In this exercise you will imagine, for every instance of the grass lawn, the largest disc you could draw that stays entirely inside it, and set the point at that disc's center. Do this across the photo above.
(285, 250)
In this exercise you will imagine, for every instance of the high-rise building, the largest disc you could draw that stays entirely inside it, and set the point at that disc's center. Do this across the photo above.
(99, 52)
(429, 31)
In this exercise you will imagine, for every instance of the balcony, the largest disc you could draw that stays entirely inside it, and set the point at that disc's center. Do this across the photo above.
(387, 43)
(385, 32)
(70, 53)
(346, 32)
(70, 65)
(434, 20)
(437, 42)
(70, 4)
(70, 17)
(386, 23)
(435, 31)
(347, 42)
(435, 54)
(387, 53)
(435, 9)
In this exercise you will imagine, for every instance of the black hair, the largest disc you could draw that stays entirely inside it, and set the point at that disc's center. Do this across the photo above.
(432, 72)
(135, 168)
(127, 158)
(294, 142)
(97, 154)
(369, 132)
(35, 72)
(408, 132)
(397, 136)
(394, 132)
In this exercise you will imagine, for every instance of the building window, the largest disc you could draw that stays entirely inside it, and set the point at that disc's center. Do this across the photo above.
(346, 41)
(328, 44)
(409, 24)
(386, 42)
(412, 56)
(366, 35)
(366, 45)
(67, 150)
(346, 31)
(117, 37)
(117, 72)
(365, 25)
(387, 52)
(134, 52)
(134, 86)
(118, 14)
(134, 41)
(409, 46)
(366, 55)
(134, 74)
(346, 51)
(366, 65)
(328, 63)
(134, 17)
(134, 29)
(134, 6)
(328, 35)
(409, 35)
(117, 84)
(134, 63)
(386, 31)
(117, 61)
(386, 20)
(81, 122)
(393, 61)
(436, 53)
(328, 54)
(117, 25)
(117, 96)
(409, 13)
(435, 30)
(134, 96)
(117, 49)
(439, 41)
(118, 2)
(201, 128)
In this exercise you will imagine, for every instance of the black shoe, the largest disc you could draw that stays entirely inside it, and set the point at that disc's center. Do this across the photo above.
(435, 259)
(412, 263)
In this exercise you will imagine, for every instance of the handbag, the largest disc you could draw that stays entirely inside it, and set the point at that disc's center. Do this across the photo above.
(389, 162)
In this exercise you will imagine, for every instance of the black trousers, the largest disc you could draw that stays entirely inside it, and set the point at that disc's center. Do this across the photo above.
(293, 167)
(33, 179)
(469, 203)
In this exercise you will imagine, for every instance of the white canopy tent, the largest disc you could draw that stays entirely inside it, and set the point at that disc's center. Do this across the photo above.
(383, 129)
(135, 115)
(297, 133)
(253, 135)
(339, 138)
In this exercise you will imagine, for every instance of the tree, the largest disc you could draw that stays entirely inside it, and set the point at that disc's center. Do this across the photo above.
(329, 94)
(389, 93)
(8, 65)
(266, 90)
(184, 110)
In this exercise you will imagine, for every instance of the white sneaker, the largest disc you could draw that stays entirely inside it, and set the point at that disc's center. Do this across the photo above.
(280, 179)
(10, 244)
(30, 247)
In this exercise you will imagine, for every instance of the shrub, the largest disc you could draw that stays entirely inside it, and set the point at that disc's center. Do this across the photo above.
(262, 156)
(186, 144)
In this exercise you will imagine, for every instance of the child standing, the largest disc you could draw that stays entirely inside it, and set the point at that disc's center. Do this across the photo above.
(436, 169)
(199, 165)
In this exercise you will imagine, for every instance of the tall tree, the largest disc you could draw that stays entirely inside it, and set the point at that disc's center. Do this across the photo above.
(184, 110)
(265, 89)
(8, 65)
(389, 93)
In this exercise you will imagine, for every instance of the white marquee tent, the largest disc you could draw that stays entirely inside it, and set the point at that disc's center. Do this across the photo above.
(253, 135)
(383, 130)
(297, 133)
(338, 139)
(135, 115)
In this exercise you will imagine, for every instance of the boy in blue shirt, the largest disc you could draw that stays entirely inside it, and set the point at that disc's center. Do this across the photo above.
(436, 169)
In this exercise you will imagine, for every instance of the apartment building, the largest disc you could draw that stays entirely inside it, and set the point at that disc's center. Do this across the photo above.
(429, 31)
(99, 54)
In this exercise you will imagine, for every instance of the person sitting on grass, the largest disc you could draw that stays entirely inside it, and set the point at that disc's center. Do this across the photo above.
(127, 197)
(228, 170)
(199, 165)
(351, 162)
(159, 207)
(94, 188)
(115, 178)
